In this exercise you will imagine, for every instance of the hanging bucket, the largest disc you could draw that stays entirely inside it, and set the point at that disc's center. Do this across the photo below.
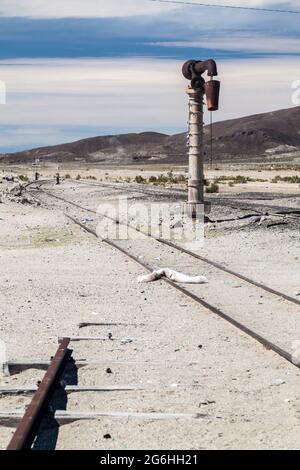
(212, 91)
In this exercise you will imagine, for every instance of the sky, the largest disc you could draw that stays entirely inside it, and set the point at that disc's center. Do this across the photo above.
(71, 69)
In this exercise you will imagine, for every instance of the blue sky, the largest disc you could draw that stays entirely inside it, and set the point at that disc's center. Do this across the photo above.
(74, 69)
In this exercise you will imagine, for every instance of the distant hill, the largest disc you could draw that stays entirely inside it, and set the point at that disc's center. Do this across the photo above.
(258, 137)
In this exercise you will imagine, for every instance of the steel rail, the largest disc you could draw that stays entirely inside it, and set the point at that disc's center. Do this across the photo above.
(28, 427)
(190, 253)
(260, 339)
(241, 204)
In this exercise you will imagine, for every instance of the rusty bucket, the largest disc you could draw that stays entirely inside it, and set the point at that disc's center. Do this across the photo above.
(212, 91)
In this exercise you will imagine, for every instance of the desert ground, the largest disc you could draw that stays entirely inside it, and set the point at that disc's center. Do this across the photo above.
(233, 392)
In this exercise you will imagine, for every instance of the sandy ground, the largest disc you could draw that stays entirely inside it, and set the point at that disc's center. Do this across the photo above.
(53, 276)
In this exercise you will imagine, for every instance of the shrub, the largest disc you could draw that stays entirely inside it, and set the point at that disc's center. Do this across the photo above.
(23, 178)
(181, 179)
(212, 188)
(162, 179)
(286, 179)
(152, 179)
(139, 179)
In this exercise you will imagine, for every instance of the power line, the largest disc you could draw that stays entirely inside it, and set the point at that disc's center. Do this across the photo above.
(211, 5)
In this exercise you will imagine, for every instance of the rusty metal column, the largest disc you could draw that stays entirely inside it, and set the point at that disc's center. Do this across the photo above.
(196, 156)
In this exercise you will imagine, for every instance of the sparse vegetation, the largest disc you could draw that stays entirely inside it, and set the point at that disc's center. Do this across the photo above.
(170, 178)
(162, 179)
(67, 176)
(78, 177)
(23, 178)
(139, 179)
(152, 179)
(212, 188)
(239, 179)
(286, 179)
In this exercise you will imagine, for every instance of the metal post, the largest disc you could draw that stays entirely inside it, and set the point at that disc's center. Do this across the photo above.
(192, 70)
(196, 156)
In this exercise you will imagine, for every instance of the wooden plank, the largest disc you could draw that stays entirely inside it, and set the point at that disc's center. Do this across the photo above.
(99, 338)
(87, 338)
(19, 389)
(64, 417)
(15, 366)
(86, 324)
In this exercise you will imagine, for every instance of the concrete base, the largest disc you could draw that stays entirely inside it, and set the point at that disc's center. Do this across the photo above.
(196, 210)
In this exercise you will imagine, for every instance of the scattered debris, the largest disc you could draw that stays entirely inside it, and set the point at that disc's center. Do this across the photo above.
(277, 382)
(173, 276)
(126, 340)
(87, 220)
(206, 403)
(276, 224)
(14, 192)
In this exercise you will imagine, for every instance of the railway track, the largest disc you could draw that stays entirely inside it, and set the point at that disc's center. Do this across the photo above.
(31, 420)
(188, 252)
(215, 309)
(42, 408)
(180, 194)
(45, 410)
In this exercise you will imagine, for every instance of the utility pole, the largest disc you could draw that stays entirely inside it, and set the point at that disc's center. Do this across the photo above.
(198, 88)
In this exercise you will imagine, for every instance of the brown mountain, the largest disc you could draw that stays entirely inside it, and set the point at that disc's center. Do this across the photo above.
(252, 138)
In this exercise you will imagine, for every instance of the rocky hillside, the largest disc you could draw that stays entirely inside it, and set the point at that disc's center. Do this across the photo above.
(258, 137)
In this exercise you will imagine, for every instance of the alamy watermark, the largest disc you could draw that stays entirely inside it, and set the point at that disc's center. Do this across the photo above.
(2, 92)
(296, 93)
(129, 220)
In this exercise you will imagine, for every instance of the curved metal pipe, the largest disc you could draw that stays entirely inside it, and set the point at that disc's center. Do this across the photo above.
(208, 65)
(193, 68)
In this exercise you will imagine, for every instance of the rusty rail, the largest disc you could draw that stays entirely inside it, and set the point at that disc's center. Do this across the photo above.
(29, 424)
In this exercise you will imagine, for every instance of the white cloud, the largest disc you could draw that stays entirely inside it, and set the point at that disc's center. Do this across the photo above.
(90, 92)
(134, 94)
(80, 8)
(280, 4)
(111, 8)
(246, 42)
